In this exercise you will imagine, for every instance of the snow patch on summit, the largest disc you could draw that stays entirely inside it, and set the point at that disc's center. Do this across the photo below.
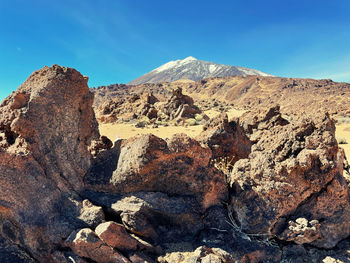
(175, 64)
(193, 69)
(212, 68)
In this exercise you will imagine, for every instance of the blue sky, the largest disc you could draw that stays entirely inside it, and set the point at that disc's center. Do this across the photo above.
(116, 41)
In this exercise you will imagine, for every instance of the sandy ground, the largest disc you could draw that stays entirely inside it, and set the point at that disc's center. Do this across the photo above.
(125, 131)
(231, 113)
(343, 131)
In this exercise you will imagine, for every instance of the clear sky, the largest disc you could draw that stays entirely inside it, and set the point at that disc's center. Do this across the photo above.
(116, 41)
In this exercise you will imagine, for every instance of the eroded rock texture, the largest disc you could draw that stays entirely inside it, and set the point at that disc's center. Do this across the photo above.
(45, 129)
(68, 195)
(294, 171)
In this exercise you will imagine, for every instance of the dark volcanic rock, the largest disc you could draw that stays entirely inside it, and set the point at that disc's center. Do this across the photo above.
(159, 217)
(294, 171)
(51, 116)
(225, 139)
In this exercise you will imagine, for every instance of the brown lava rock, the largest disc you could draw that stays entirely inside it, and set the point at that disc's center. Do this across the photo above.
(47, 124)
(294, 170)
(225, 139)
(147, 163)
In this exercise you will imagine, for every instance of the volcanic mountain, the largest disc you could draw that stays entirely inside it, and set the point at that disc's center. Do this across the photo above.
(193, 69)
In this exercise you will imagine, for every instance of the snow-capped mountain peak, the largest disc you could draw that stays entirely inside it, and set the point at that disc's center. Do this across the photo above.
(190, 58)
(193, 69)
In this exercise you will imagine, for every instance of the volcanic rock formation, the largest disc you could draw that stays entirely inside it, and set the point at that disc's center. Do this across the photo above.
(45, 129)
(135, 107)
(67, 195)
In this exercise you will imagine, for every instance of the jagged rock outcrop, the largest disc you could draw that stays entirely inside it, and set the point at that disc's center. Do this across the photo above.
(46, 127)
(293, 171)
(179, 106)
(225, 139)
(125, 109)
(148, 109)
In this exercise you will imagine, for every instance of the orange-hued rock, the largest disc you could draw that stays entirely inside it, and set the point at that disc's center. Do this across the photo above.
(85, 243)
(146, 163)
(179, 106)
(50, 116)
(285, 200)
(46, 127)
(116, 236)
(132, 107)
(293, 171)
(124, 109)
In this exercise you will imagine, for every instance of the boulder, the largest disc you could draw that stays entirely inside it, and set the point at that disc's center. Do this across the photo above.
(91, 214)
(302, 231)
(85, 243)
(227, 140)
(46, 127)
(123, 109)
(217, 255)
(262, 119)
(146, 163)
(116, 236)
(158, 217)
(179, 106)
(293, 171)
(103, 143)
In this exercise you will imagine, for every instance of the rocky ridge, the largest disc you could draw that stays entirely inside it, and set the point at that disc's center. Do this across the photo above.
(68, 195)
(250, 92)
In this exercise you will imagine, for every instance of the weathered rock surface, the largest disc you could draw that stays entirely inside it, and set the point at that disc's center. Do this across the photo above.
(124, 109)
(179, 106)
(85, 243)
(225, 139)
(50, 116)
(294, 170)
(146, 163)
(285, 201)
(159, 217)
(91, 214)
(116, 236)
(48, 124)
(302, 231)
(147, 109)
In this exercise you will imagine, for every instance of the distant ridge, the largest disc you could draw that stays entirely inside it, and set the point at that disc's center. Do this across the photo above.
(193, 69)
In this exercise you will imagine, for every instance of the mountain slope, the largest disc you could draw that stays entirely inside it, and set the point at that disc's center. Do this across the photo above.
(193, 69)
(292, 94)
